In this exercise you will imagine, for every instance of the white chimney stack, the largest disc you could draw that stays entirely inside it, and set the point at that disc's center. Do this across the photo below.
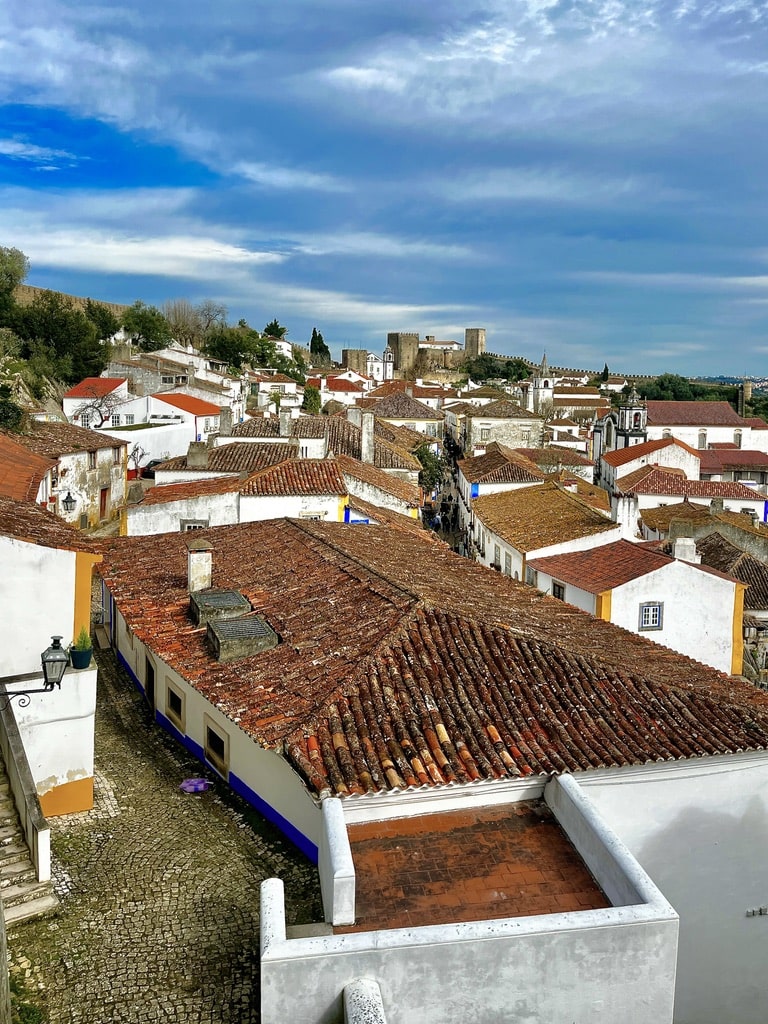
(199, 565)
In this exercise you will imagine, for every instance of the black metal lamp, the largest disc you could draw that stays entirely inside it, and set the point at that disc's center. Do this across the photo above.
(55, 660)
(68, 503)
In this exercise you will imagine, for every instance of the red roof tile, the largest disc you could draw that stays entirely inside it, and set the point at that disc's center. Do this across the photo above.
(238, 457)
(365, 472)
(652, 480)
(187, 403)
(26, 521)
(55, 439)
(622, 456)
(603, 568)
(692, 414)
(94, 387)
(299, 476)
(21, 471)
(403, 664)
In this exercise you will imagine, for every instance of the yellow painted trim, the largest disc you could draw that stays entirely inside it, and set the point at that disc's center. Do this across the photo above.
(123, 522)
(68, 798)
(413, 513)
(84, 563)
(737, 656)
(603, 605)
(343, 503)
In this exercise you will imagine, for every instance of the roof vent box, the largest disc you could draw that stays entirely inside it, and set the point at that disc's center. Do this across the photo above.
(240, 638)
(208, 605)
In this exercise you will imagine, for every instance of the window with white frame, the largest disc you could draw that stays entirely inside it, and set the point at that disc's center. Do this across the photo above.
(115, 419)
(702, 439)
(166, 380)
(651, 615)
(91, 460)
(507, 563)
(193, 524)
(129, 419)
(85, 419)
(207, 423)
(116, 456)
(531, 576)
(485, 433)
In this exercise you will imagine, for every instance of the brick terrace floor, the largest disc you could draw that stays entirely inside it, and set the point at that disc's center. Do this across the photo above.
(467, 866)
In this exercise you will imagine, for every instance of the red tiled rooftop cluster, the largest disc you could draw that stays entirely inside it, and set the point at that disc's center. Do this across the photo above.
(403, 664)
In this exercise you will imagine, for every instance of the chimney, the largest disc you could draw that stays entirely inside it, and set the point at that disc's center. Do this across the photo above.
(409, 390)
(716, 505)
(285, 423)
(355, 415)
(367, 447)
(684, 548)
(199, 565)
(225, 420)
(197, 455)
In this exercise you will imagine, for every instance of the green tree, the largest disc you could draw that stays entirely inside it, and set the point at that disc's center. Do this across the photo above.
(318, 348)
(312, 402)
(606, 373)
(488, 367)
(103, 319)
(14, 267)
(147, 326)
(11, 415)
(432, 468)
(275, 329)
(59, 340)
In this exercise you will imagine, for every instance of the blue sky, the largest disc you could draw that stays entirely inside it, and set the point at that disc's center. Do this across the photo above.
(585, 177)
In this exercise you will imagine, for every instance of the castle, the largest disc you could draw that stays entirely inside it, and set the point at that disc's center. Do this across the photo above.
(407, 353)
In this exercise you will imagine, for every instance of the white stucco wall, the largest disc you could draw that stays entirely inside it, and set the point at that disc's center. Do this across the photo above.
(36, 602)
(697, 616)
(700, 829)
(377, 496)
(57, 730)
(159, 440)
(605, 966)
(214, 509)
(293, 506)
(715, 435)
(671, 457)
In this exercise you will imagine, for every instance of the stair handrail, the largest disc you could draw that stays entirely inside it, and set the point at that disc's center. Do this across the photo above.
(37, 831)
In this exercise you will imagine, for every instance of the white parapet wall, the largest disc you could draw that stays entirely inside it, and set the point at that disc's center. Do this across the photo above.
(335, 866)
(604, 966)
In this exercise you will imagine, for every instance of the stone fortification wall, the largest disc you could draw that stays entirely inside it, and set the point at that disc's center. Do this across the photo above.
(26, 294)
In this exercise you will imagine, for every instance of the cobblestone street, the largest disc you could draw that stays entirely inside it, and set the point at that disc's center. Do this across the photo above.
(159, 890)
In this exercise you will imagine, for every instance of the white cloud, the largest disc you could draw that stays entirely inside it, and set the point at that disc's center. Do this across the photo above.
(271, 176)
(676, 281)
(18, 149)
(361, 243)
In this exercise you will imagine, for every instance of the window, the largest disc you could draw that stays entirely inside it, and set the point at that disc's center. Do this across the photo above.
(129, 419)
(207, 423)
(85, 420)
(507, 564)
(737, 438)
(91, 460)
(532, 577)
(651, 615)
(702, 439)
(558, 590)
(525, 437)
(485, 433)
(115, 419)
(193, 524)
(166, 380)
(497, 555)
(312, 515)
(175, 707)
(216, 748)
(116, 456)
(666, 433)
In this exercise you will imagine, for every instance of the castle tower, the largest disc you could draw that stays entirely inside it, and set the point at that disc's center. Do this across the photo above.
(405, 346)
(474, 342)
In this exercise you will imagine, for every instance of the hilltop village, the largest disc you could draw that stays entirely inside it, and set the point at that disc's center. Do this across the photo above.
(490, 652)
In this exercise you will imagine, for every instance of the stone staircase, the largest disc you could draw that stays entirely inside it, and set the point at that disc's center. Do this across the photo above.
(22, 895)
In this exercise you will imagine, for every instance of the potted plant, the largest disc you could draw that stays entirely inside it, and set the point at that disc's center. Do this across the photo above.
(81, 650)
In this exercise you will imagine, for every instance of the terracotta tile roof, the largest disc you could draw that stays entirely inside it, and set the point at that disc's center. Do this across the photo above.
(603, 568)
(580, 402)
(503, 409)
(552, 455)
(401, 437)
(94, 387)
(404, 664)
(21, 470)
(298, 476)
(238, 457)
(593, 495)
(301, 427)
(692, 414)
(500, 465)
(168, 493)
(55, 439)
(386, 482)
(399, 406)
(486, 391)
(714, 460)
(659, 518)
(652, 480)
(622, 456)
(718, 553)
(756, 422)
(391, 387)
(346, 438)
(340, 384)
(461, 408)
(388, 517)
(535, 517)
(188, 403)
(26, 521)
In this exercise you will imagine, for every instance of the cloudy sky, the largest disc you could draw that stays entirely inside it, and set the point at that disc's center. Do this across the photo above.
(585, 177)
